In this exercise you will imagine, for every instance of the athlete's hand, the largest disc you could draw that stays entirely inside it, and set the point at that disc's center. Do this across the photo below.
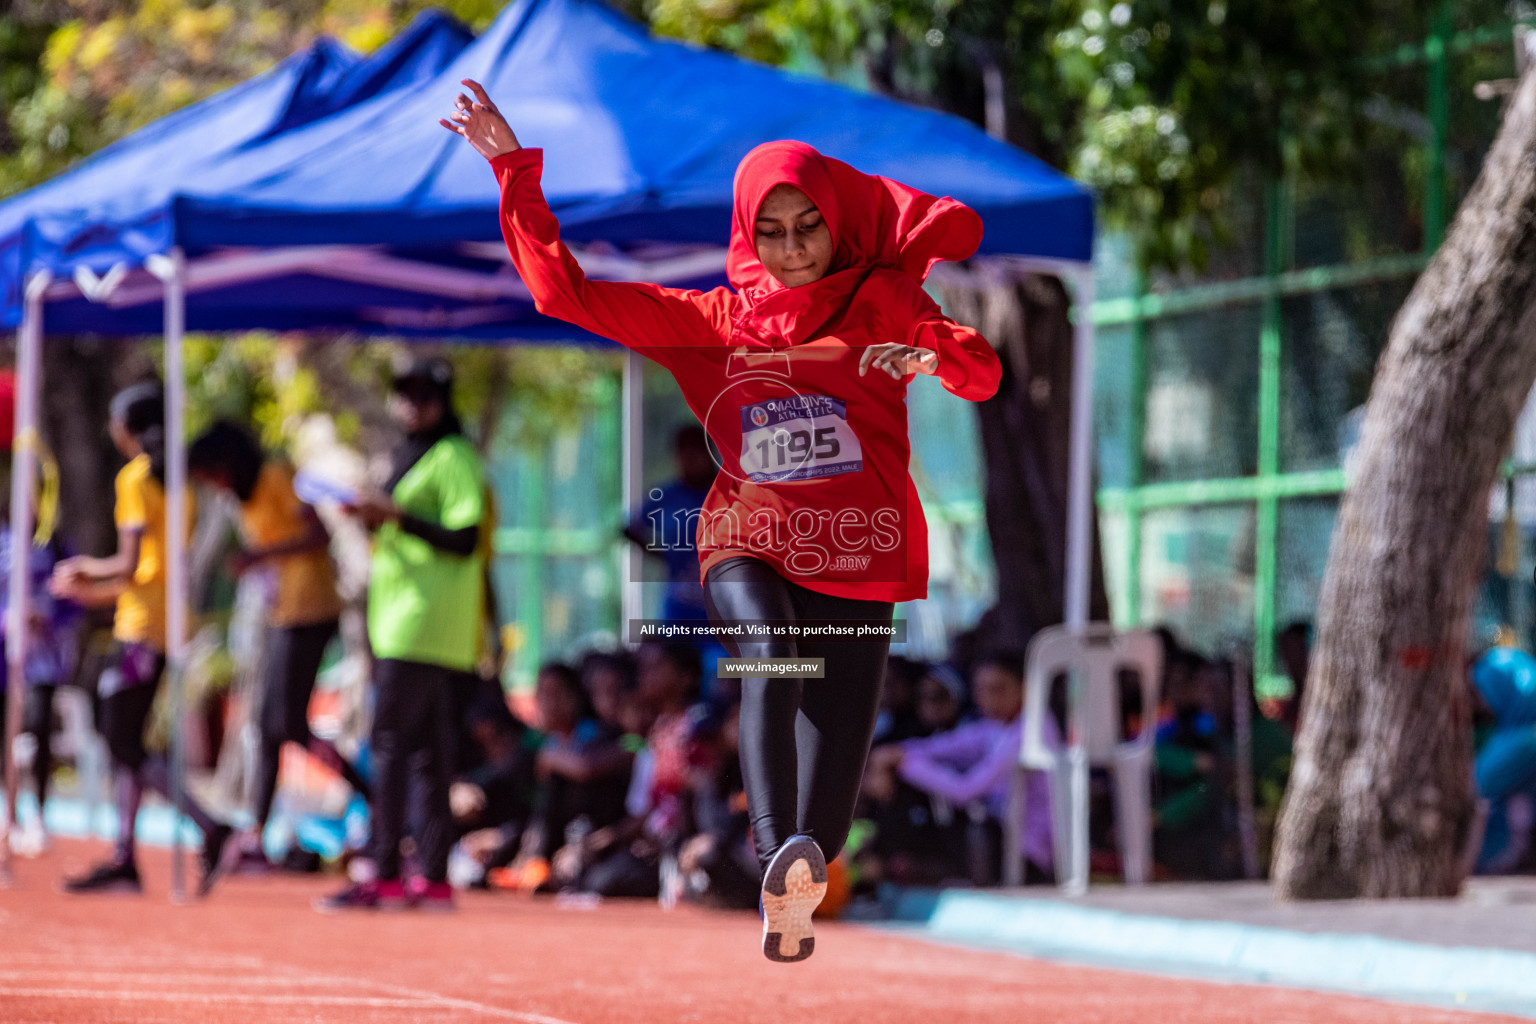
(481, 123)
(373, 508)
(68, 579)
(899, 360)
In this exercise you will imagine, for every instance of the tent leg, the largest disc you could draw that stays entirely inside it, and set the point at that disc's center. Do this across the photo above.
(1080, 473)
(173, 271)
(23, 465)
(634, 463)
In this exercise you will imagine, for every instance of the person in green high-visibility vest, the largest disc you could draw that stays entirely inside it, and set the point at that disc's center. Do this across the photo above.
(425, 596)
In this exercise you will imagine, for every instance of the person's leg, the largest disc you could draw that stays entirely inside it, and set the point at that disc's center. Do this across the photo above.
(747, 589)
(122, 711)
(306, 650)
(38, 722)
(837, 717)
(557, 809)
(155, 774)
(271, 728)
(399, 708)
(1506, 773)
(123, 716)
(621, 875)
(433, 764)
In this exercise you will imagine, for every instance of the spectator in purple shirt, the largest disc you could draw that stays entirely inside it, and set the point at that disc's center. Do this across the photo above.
(50, 658)
(974, 761)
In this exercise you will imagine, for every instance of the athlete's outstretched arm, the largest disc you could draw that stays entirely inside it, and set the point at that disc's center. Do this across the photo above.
(932, 344)
(642, 316)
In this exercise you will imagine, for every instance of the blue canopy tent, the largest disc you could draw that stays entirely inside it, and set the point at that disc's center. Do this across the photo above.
(142, 170)
(375, 219)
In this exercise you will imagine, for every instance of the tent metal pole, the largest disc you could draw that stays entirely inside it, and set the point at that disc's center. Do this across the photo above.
(23, 468)
(1080, 460)
(173, 271)
(634, 464)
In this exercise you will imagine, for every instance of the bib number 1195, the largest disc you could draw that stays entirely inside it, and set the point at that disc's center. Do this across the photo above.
(802, 437)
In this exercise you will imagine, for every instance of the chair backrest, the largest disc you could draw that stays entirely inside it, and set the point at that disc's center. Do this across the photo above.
(1091, 658)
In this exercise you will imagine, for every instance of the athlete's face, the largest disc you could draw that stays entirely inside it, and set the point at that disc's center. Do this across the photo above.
(999, 693)
(793, 242)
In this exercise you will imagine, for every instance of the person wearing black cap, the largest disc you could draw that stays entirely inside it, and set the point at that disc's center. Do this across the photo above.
(425, 594)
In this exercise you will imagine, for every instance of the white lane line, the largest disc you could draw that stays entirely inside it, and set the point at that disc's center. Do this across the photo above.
(219, 1000)
(151, 978)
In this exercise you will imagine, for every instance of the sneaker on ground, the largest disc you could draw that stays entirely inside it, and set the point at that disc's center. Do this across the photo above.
(794, 884)
(427, 895)
(109, 877)
(370, 895)
(212, 860)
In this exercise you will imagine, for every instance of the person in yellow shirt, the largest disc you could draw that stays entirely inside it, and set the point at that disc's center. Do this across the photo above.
(134, 579)
(284, 541)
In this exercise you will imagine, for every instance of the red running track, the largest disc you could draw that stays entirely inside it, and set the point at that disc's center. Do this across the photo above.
(255, 951)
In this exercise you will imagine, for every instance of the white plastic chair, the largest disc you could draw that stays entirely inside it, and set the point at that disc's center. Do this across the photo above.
(1092, 659)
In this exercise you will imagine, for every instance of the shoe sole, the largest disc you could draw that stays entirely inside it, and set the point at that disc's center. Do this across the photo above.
(114, 889)
(390, 907)
(793, 887)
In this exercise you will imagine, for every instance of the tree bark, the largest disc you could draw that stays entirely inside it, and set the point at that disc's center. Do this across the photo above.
(1025, 435)
(80, 376)
(1381, 796)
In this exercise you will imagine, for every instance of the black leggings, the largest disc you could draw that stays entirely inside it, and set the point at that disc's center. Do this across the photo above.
(288, 681)
(122, 717)
(36, 721)
(412, 740)
(803, 741)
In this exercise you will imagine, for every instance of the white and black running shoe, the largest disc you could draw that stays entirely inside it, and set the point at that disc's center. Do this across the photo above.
(794, 884)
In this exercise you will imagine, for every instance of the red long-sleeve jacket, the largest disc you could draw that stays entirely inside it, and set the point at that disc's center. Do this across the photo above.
(813, 455)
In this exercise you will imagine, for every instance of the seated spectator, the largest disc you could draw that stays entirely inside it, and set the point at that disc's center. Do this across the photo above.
(940, 701)
(719, 863)
(583, 771)
(1187, 788)
(974, 762)
(492, 801)
(915, 840)
(625, 860)
(1293, 644)
(897, 720)
(1504, 684)
(608, 679)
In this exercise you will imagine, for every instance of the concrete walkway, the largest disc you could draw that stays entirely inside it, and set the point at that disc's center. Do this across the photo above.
(1476, 952)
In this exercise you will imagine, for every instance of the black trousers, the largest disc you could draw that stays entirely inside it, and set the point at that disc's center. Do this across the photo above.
(293, 661)
(804, 742)
(412, 737)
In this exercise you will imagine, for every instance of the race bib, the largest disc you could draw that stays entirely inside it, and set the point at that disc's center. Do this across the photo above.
(798, 437)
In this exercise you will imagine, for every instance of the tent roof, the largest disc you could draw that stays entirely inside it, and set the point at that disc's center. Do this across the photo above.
(130, 181)
(641, 138)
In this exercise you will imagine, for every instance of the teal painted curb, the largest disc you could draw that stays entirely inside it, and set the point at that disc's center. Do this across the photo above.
(1474, 978)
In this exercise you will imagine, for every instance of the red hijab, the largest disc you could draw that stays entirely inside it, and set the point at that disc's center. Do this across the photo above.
(874, 222)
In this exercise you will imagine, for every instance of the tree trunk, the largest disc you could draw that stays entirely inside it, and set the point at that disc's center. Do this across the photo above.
(80, 376)
(1380, 797)
(1025, 436)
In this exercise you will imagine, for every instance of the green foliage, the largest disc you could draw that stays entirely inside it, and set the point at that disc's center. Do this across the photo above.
(1160, 105)
(549, 388)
